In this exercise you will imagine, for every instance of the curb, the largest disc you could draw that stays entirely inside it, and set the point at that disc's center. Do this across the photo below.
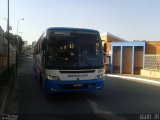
(138, 79)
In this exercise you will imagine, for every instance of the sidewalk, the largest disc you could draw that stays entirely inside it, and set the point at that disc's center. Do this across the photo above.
(5, 93)
(138, 78)
(6, 86)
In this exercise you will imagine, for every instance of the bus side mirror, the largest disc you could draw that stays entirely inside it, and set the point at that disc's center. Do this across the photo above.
(105, 47)
(44, 44)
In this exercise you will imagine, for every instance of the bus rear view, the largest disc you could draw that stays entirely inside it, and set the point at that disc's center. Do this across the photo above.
(69, 59)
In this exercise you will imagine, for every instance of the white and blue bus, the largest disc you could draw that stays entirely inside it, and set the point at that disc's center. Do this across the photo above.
(69, 59)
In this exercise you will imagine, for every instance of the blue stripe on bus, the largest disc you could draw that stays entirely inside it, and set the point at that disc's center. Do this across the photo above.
(54, 86)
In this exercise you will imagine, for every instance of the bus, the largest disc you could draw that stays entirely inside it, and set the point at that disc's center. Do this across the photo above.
(69, 59)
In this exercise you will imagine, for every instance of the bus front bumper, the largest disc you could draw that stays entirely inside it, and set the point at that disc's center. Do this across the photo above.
(55, 86)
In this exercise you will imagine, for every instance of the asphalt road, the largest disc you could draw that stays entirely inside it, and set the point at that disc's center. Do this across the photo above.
(120, 99)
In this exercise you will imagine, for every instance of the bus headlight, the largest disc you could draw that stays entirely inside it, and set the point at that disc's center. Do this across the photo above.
(99, 76)
(50, 77)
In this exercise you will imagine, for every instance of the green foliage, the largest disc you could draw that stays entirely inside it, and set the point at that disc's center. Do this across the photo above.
(14, 39)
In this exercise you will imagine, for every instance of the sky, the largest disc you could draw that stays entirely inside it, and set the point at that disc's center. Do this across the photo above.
(127, 19)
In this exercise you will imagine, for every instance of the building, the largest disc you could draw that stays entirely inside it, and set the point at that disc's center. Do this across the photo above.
(33, 43)
(25, 43)
(107, 40)
(127, 57)
(152, 59)
(3, 51)
(152, 47)
(131, 57)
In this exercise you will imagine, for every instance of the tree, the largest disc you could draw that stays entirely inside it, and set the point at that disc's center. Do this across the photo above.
(21, 43)
(14, 39)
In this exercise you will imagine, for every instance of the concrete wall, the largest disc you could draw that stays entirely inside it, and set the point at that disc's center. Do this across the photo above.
(3, 51)
(152, 48)
(150, 73)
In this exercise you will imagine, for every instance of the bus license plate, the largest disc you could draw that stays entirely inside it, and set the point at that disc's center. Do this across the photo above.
(78, 85)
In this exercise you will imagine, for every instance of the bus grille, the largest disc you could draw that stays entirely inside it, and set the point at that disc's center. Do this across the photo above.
(82, 71)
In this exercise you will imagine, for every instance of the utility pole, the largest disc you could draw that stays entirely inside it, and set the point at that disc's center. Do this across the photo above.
(8, 38)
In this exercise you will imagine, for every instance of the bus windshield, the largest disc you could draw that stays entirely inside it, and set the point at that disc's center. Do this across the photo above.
(74, 51)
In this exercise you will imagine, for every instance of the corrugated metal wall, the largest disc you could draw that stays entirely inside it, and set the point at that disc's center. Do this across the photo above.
(138, 60)
(127, 60)
(116, 60)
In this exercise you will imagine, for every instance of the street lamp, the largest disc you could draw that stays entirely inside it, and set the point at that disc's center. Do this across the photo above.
(18, 24)
(17, 34)
(17, 44)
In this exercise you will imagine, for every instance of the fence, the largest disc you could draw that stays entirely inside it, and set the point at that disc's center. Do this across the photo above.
(152, 62)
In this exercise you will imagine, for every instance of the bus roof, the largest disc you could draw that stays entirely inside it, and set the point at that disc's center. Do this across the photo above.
(73, 29)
